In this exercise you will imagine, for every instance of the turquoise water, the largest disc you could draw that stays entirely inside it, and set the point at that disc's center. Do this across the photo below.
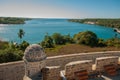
(36, 29)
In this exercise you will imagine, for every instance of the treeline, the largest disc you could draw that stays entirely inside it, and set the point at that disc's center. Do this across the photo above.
(114, 23)
(10, 51)
(55, 39)
(83, 38)
(12, 20)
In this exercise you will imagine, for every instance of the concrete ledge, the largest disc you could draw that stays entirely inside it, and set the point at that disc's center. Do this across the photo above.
(78, 62)
(110, 57)
(78, 54)
(12, 63)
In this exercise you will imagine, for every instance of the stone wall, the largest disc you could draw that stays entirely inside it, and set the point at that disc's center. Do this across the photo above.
(34, 67)
(64, 59)
(12, 71)
(101, 62)
(16, 70)
(72, 67)
(51, 73)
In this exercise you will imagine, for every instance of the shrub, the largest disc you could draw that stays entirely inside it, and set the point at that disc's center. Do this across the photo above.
(23, 45)
(68, 39)
(88, 38)
(9, 55)
(115, 42)
(101, 43)
(3, 45)
(58, 39)
(47, 42)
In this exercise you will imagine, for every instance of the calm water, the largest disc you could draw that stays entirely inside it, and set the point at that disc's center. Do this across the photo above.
(37, 28)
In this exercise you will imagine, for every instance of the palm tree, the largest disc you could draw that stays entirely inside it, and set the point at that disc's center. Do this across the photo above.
(21, 33)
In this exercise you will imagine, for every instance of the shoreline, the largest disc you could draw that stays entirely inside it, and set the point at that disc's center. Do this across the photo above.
(3, 25)
(116, 30)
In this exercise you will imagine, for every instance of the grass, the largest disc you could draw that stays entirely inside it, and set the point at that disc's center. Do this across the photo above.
(76, 48)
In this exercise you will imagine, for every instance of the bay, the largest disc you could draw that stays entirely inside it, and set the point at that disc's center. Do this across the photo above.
(36, 29)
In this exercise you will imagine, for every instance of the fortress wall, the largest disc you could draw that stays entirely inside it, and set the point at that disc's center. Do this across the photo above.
(72, 67)
(12, 71)
(51, 73)
(101, 62)
(16, 70)
(64, 59)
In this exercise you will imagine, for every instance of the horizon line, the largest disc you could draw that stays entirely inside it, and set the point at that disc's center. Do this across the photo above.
(61, 17)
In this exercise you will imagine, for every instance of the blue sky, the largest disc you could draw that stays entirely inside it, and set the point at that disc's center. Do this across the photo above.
(60, 8)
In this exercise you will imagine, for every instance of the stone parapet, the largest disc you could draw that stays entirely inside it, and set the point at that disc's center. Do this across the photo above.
(100, 62)
(51, 73)
(72, 67)
(16, 70)
(64, 59)
(12, 71)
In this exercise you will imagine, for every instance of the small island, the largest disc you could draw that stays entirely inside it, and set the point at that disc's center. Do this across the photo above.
(12, 20)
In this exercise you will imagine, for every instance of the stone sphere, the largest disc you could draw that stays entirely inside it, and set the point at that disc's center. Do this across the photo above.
(34, 53)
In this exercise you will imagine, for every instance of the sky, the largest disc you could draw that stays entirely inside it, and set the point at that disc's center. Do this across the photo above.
(60, 8)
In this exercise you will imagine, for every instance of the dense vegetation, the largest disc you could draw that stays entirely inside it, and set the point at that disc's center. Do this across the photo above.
(87, 38)
(10, 51)
(9, 55)
(12, 20)
(115, 23)
(55, 39)
(58, 44)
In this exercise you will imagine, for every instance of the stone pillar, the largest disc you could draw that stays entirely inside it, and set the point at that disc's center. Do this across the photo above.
(34, 59)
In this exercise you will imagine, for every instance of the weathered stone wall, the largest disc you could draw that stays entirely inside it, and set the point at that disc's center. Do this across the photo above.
(64, 59)
(72, 67)
(16, 70)
(51, 73)
(34, 67)
(101, 62)
(12, 71)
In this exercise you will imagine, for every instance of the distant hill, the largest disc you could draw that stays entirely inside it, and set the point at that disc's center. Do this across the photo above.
(114, 23)
(12, 20)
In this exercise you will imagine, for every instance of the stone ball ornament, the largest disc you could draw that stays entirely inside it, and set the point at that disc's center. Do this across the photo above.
(34, 53)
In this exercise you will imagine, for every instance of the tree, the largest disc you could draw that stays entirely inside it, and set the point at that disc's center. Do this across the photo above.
(47, 42)
(23, 45)
(21, 33)
(87, 38)
(113, 42)
(58, 39)
(68, 39)
(101, 43)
